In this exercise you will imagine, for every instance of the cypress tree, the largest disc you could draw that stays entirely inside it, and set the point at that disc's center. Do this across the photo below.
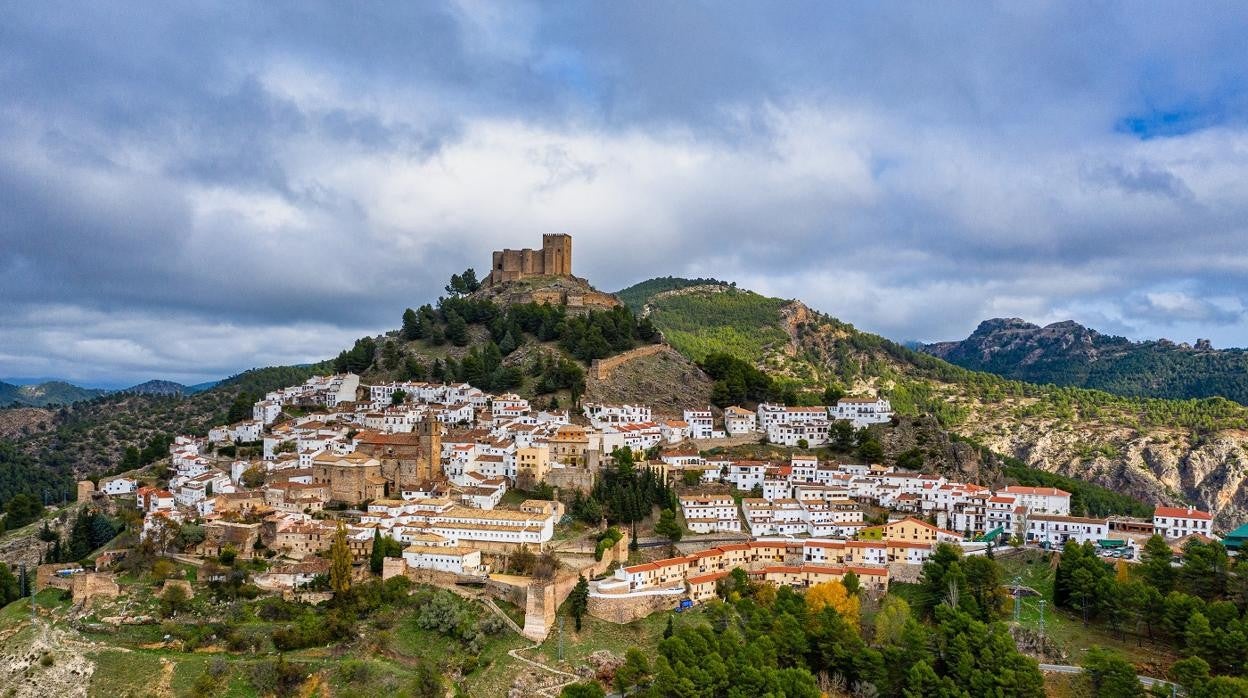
(377, 557)
(340, 563)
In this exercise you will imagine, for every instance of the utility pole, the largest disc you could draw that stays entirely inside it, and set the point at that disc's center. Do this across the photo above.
(1018, 600)
(1042, 619)
(560, 638)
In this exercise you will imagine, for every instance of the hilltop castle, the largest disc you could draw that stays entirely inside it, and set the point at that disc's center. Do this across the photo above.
(554, 259)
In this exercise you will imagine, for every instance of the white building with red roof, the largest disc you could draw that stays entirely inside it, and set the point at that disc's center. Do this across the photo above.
(1176, 522)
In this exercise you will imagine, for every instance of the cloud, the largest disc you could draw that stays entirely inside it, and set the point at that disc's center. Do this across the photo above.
(1175, 307)
(202, 192)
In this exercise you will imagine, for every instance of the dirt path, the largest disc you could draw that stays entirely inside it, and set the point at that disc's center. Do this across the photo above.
(549, 690)
(164, 685)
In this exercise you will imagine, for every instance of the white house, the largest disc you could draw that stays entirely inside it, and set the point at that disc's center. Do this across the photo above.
(600, 415)
(508, 406)
(769, 415)
(813, 431)
(266, 411)
(118, 486)
(738, 421)
(701, 423)
(674, 430)
(862, 411)
(458, 413)
(1040, 500)
(1056, 530)
(1176, 522)
(711, 513)
(247, 431)
(457, 560)
(746, 474)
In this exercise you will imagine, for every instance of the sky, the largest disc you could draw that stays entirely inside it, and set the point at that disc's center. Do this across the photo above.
(188, 190)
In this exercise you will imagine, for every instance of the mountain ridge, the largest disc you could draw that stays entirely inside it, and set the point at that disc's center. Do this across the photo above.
(1069, 354)
(45, 394)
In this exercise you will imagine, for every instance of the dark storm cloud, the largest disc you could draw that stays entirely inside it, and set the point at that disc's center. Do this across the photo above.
(190, 190)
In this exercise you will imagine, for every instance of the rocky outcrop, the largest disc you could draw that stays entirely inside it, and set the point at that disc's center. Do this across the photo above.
(663, 379)
(1160, 466)
(574, 293)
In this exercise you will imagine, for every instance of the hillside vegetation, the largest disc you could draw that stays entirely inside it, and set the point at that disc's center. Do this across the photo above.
(91, 438)
(1162, 451)
(635, 296)
(698, 321)
(44, 394)
(1069, 354)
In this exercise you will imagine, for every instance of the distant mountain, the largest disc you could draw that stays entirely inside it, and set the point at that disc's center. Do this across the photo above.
(1069, 354)
(156, 387)
(44, 394)
(201, 387)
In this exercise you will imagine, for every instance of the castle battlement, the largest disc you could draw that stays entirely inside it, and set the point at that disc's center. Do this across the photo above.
(554, 259)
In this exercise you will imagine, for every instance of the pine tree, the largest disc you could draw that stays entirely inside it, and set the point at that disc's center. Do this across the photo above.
(456, 329)
(668, 527)
(411, 325)
(340, 563)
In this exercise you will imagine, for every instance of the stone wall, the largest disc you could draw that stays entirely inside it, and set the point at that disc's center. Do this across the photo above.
(572, 478)
(94, 585)
(626, 609)
(393, 567)
(45, 576)
(543, 600)
(602, 367)
(904, 572)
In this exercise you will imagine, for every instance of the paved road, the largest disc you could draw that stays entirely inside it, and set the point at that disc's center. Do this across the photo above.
(1067, 669)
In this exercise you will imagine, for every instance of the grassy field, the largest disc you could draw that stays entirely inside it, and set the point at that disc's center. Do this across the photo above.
(599, 634)
(1033, 569)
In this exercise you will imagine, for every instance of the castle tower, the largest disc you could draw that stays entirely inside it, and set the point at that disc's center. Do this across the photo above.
(429, 460)
(557, 254)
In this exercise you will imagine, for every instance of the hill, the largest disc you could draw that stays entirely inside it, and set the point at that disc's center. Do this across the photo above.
(156, 387)
(1069, 354)
(538, 337)
(45, 394)
(47, 450)
(1161, 451)
(635, 296)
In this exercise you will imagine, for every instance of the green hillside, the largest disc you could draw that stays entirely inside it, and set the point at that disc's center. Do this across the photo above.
(44, 394)
(635, 296)
(749, 326)
(742, 323)
(92, 436)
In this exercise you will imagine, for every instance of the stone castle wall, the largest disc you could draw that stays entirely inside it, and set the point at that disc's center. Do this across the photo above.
(543, 600)
(626, 609)
(602, 367)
